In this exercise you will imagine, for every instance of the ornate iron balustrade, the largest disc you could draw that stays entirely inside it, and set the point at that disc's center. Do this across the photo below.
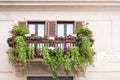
(50, 43)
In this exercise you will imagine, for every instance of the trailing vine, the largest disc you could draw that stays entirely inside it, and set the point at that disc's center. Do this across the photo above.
(12, 56)
(30, 53)
(87, 51)
(20, 48)
(51, 62)
(76, 58)
(66, 64)
(20, 52)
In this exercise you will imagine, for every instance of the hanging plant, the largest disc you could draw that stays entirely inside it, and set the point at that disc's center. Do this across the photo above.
(12, 56)
(66, 64)
(20, 52)
(20, 49)
(51, 62)
(30, 53)
(87, 51)
(78, 61)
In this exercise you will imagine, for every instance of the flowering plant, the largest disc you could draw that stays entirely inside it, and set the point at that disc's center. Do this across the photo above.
(33, 35)
(67, 49)
(59, 38)
(70, 37)
(45, 37)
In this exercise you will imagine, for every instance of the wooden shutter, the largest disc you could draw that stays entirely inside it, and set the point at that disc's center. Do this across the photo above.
(52, 28)
(46, 27)
(77, 25)
(23, 23)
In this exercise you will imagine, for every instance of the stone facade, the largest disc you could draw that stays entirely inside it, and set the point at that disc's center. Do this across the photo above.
(103, 17)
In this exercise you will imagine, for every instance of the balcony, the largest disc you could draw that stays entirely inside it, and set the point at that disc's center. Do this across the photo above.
(39, 42)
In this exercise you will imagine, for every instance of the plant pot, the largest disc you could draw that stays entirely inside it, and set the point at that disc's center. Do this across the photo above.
(51, 53)
(11, 43)
(67, 52)
(70, 41)
(59, 41)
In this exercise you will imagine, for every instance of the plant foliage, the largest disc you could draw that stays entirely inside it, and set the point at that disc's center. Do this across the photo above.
(51, 62)
(84, 30)
(78, 57)
(20, 52)
(19, 30)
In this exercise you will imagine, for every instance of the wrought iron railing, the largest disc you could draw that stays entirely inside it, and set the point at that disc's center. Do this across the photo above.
(38, 45)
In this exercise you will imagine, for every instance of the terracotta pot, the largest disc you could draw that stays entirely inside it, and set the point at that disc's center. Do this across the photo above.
(67, 52)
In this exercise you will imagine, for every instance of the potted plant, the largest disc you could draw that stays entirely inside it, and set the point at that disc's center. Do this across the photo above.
(10, 42)
(70, 38)
(84, 30)
(19, 30)
(59, 39)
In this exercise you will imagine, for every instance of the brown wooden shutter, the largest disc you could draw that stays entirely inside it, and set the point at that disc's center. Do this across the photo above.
(77, 25)
(46, 27)
(23, 23)
(52, 28)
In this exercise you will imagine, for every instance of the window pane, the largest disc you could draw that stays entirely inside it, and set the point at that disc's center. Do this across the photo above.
(41, 29)
(60, 29)
(70, 29)
(32, 28)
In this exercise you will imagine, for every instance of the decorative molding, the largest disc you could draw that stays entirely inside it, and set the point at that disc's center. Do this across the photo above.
(59, 4)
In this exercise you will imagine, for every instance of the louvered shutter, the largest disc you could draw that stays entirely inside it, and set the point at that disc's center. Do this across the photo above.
(46, 27)
(22, 23)
(52, 28)
(77, 25)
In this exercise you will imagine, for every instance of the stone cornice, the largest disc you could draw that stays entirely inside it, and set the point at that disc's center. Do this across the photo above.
(59, 4)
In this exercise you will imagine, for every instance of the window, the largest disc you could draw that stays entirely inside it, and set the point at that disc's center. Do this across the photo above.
(36, 28)
(52, 28)
(64, 29)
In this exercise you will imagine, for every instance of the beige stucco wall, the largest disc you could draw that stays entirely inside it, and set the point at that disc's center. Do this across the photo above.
(104, 22)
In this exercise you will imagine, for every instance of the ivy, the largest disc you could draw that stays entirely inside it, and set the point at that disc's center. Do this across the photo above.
(51, 62)
(20, 52)
(66, 64)
(12, 56)
(87, 51)
(20, 49)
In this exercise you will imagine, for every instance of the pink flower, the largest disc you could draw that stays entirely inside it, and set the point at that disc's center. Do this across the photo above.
(46, 35)
(69, 35)
(33, 35)
(79, 35)
(38, 48)
(56, 36)
(94, 53)
(14, 35)
(90, 35)
(67, 47)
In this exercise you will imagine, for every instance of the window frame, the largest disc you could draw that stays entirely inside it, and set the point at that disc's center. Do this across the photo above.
(65, 26)
(36, 25)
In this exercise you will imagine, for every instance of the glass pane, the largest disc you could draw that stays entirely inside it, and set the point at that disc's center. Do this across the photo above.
(70, 29)
(60, 30)
(32, 28)
(41, 29)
